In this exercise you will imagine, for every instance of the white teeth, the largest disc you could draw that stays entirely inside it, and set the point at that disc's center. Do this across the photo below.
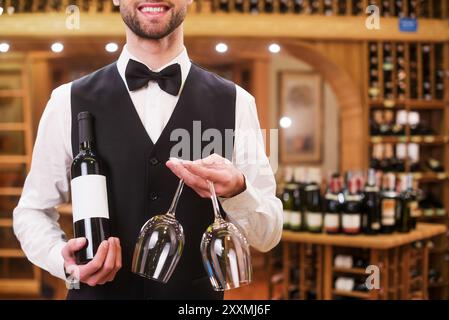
(152, 9)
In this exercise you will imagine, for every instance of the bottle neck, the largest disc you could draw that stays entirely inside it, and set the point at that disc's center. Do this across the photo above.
(86, 146)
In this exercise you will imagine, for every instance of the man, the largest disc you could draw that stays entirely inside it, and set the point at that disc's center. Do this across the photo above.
(136, 111)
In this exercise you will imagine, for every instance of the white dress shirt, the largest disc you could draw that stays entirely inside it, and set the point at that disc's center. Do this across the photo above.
(256, 210)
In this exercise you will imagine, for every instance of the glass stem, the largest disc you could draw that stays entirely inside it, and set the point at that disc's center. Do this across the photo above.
(214, 199)
(175, 200)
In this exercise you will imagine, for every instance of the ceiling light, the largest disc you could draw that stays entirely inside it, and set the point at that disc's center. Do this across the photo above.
(111, 47)
(221, 47)
(4, 47)
(285, 122)
(274, 48)
(57, 47)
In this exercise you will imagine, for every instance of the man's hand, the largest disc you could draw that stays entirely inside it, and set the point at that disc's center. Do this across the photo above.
(102, 268)
(228, 181)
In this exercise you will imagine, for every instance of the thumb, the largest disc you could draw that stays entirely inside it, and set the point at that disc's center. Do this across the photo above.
(72, 246)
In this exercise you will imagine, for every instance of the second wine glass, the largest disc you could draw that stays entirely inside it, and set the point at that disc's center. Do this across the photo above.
(225, 252)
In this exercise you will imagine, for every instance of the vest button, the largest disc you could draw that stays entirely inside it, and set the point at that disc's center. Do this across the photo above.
(154, 196)
(154, 161)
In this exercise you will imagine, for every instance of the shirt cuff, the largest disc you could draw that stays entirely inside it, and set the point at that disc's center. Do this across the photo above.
(246, 201)
(56, 261)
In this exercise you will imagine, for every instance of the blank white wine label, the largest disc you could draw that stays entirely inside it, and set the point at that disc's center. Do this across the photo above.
(89, 197)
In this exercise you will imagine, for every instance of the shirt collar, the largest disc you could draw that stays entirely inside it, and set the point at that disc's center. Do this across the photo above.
(182, 59)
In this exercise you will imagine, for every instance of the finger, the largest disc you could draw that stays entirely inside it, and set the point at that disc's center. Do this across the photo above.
(108, 266)
(213, 159)
(73, 245)
(93, 266)
(118, 260)
(213, 175)
(193, 181)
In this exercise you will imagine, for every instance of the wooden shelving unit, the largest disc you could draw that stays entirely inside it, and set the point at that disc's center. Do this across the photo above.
(424, 71)
(15, 161)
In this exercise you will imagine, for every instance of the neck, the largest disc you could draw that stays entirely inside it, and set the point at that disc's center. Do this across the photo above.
(155, 53)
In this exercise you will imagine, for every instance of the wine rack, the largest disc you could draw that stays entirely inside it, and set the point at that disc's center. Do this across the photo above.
(408, 116)
(17, 275)
(428, 9)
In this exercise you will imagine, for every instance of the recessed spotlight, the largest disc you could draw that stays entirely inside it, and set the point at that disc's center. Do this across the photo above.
(285, 122)
(111, 47)
(274, 48)
(57, 47)
(221, 47)
(4, 47)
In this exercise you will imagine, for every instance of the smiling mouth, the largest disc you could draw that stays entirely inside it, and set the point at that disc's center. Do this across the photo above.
(153, 9)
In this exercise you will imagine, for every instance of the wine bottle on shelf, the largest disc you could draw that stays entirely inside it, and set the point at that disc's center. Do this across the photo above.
(401, 156)
(371, 205)
(89, 193)
(427, 84)
(315, 6)
(357, 8)
(414, 158)
(269, 6)
(239, 6)
(297, 213)
(342, 7)
(399, 8)
(284, 6)
(413, 64)
(332, 213)
(352, 209)
(374, 89)
(424, 9)
(388, 68)
(328, 8)
(386, 8)
(408, 204)
(313, 213)
(287, 196)
(386, 126)
(254, 6)
(298, 6)
(223, 5)
(439, 73)
(412, 8)
(389, 204)
(377, 156)
(388, 161)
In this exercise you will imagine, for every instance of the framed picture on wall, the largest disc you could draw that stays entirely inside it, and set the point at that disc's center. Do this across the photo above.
(300, 116)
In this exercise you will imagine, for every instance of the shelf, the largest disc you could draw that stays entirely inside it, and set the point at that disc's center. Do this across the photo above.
(12, 126)
(10, 191)
(350, 270)
(402, 104)
(19, 286)
(13, 159)
(430, 176)
(423, 140)
(5, 222)
(438, 285)
(352, 294)
(12, 253)
(11, 93)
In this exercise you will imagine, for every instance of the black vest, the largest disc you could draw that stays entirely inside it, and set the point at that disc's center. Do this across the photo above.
(140, 185)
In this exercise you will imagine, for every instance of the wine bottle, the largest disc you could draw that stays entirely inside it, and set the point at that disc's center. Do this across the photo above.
(223, 5)
(407, 200)
(284, 6)
(298, 6)
(342, 7)
(427, 86)
(357, 7)
(328, 10)
(254, 6)
(239, 6)
(352, 209)
(297, 215)
(315, 6)
(389, 204)
(89, 193)
(287, 196)
(269, 6)
(332, 213)
(313, 213)
(371, 205)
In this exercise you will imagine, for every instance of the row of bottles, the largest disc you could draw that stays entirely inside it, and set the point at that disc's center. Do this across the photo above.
(388, 8)
(399, 71)
(389, 157)
(377, 203)
(391, 123)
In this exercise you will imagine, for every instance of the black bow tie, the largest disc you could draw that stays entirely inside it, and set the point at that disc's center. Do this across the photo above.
(138, 75)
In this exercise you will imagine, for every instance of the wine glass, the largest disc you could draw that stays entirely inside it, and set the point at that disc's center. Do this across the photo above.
(160, 244)
(225, 252)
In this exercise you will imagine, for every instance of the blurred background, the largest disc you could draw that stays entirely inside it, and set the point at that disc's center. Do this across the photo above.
(350, 84)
